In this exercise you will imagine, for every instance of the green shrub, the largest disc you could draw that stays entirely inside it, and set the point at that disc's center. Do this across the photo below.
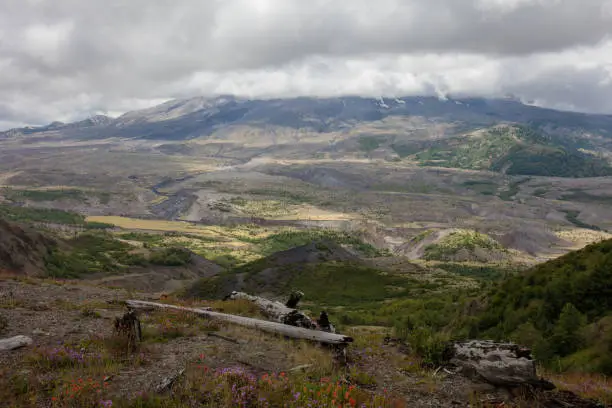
(91, 252)
(456, 241)
(170, 257)
(42, 215)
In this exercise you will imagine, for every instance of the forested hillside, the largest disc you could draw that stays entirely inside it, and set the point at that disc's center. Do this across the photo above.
(562, 308)
(518, 150)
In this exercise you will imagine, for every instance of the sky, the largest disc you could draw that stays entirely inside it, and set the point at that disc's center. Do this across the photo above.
(69, 59)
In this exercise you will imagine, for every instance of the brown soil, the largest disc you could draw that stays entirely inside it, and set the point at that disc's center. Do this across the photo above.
(52, 313)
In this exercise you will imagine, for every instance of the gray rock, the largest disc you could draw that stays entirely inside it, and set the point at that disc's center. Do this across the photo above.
(16, 342)
(501, 364)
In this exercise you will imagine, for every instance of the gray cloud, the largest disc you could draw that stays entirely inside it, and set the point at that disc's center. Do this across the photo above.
(63, 59)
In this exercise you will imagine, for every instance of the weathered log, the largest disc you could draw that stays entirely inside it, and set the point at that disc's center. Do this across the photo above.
(262, 325)
(500, 364)
(276, 311)
(13, 343)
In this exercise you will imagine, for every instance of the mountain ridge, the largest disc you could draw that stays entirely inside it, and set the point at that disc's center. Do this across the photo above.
(230, 109)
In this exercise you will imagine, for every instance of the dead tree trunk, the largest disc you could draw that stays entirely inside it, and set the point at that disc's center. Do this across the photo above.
(128, 326)
(500, 364)
(262, 325)
(294, 299)
(278, 312)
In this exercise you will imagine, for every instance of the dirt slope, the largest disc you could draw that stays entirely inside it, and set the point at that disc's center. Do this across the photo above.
(71, 326)
(23, 250)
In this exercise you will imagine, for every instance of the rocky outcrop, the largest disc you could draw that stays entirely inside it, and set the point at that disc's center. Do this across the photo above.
(500, 364)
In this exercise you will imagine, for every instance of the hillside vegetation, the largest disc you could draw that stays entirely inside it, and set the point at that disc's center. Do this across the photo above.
(464, 245)
(515, 150)
(562, 308)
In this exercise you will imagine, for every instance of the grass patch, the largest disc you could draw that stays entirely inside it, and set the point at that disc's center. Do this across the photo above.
(170, 257)
(40, 215)
(262, 208)
(540, 192)
(572, 216)
(238, 387)
(152, 225)
(593, 386)
(457, 241)
(58, 194)
(289, 197)
(368, 143)
(285, 240)
(100, 252)
(48, 195)
(89, 253)
(513, 189)
(482, 186)
(584, 197)
(481, 272)
(165, 326)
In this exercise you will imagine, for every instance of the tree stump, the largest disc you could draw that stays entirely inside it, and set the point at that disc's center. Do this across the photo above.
(324, 324)
(294, 299)
(128, 327)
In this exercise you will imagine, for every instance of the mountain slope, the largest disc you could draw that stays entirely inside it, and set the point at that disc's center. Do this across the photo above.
(22, 250)
(197, 117)
(516, 150)
(478, 134)
(562, 308)
(272, 274)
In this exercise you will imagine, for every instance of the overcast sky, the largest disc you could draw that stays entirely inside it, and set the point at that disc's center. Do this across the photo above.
(67, 59)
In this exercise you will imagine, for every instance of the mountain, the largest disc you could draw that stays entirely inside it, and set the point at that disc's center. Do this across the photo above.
(198, 117)
(500, 135)
(97, 121)
(562, 308)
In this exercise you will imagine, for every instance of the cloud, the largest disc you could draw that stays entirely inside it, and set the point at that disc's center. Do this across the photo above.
(65, 59)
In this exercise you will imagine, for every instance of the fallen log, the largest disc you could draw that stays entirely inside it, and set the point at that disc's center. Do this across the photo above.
(278, 312)
(262, 325)
(500, 364)
(13, 343)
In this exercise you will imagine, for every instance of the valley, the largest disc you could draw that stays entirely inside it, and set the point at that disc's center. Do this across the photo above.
(395, 219)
